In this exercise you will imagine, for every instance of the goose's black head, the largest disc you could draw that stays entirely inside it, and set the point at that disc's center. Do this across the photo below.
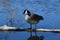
(27, 12)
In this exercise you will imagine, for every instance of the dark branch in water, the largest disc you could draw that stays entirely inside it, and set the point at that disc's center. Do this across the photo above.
(32, 30)
(7, 28)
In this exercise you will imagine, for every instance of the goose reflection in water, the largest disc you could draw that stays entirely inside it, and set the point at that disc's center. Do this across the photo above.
(36, 37)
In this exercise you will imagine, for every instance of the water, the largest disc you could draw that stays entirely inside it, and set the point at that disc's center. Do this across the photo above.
(49, 9)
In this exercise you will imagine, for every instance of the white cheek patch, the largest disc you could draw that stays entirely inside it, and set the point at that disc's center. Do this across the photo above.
(26, 12)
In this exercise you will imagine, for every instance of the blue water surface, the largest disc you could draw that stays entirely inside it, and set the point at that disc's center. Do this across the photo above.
(49, 9)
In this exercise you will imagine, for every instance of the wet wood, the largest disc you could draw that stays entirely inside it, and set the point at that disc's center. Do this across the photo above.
(6, 28)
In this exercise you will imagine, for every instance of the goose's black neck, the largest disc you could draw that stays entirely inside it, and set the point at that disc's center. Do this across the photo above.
(29, 14)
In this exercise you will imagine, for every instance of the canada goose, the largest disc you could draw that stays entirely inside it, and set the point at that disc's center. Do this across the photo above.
(32, 18)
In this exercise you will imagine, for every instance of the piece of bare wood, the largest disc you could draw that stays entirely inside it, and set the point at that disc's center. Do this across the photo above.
(7, 28)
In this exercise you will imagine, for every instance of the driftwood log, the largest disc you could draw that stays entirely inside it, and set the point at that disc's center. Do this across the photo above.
(7, 28)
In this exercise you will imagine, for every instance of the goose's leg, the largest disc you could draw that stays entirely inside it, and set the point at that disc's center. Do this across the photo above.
(35, 30)
(30, 26)
(35, 26)
(31, 29)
